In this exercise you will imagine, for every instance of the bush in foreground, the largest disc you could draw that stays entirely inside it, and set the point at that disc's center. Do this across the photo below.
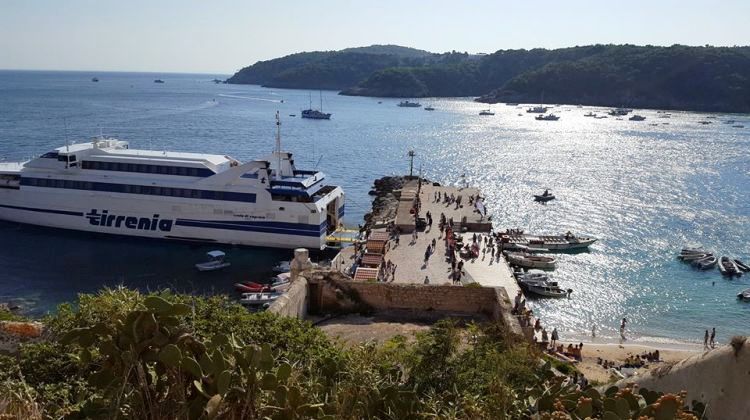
(121, 354)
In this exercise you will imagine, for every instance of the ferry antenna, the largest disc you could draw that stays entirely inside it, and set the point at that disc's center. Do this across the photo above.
(278, 145)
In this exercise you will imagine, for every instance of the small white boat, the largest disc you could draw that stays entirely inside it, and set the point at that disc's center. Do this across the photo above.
(532, 261)
(706, 263)
(282, 267)
(259, 299)
(215, 262)
(486, 112)
(744, 295)
(543, 288)
(728, 267)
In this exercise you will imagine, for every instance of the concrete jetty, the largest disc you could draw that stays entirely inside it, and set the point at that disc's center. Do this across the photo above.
(408, 255)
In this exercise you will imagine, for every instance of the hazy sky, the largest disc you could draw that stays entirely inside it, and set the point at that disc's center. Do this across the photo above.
(218, 36)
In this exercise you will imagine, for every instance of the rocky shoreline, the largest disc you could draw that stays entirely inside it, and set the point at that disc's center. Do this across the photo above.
(385, 203)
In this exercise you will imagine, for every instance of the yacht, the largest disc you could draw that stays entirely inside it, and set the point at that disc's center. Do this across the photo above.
(407, 104)
(104, 186)
(315, 114)
(486, 112)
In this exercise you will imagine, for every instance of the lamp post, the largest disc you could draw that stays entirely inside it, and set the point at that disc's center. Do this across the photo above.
(411, 163)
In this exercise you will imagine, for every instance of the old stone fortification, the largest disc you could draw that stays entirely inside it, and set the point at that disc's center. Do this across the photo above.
(294, 302)
(718, 378)
(331, 291)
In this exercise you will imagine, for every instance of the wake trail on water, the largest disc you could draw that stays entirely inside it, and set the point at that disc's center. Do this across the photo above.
(251, 98)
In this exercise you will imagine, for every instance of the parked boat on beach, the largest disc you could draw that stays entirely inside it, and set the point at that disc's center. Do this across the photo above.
(728, 267)
(706, 263)
(215, 262)
(531, 261)
(565, 242)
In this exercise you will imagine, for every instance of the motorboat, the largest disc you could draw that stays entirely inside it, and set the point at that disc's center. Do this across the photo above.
(215, 262)
(282, 267)
(589, 114)
(408, 104)
(706, 263)
(531, 261)
(704, 122)
(429, 108)
(744, 295)
(94, 79)
(279, 281)
(158, 81)
(486, 112)
(738, 126)
(742, 266)
(600, 117)
(637, 118)
(543, 288)
(524, 248)
(566, 242)
(259, 299)
(511, 104)
(728, 267)
(693, 251)
(547, 117)
(546, 196)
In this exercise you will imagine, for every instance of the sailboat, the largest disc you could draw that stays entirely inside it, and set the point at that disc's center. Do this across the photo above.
(541, 109)
(315, 114)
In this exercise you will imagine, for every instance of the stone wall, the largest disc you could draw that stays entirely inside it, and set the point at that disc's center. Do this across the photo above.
(334, 292)
(294, 302)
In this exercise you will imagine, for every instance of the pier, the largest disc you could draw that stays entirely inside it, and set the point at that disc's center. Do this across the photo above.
(408, 255)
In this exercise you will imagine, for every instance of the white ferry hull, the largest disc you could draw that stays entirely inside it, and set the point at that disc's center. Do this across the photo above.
(157, 219)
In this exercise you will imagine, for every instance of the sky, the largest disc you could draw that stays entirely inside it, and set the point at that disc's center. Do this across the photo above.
(222, 36)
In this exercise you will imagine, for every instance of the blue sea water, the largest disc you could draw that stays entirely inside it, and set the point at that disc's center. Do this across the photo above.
(644, 191)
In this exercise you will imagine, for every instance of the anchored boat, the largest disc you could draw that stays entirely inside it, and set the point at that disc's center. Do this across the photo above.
(531, 261)
(565, 242)
(215, 262)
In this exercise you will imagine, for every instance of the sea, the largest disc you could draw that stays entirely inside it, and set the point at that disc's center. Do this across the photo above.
(643, 189)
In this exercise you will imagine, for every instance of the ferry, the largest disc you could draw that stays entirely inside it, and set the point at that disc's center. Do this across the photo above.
(104, 186)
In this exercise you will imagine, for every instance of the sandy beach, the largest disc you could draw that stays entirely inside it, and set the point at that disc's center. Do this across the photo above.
(668, 354)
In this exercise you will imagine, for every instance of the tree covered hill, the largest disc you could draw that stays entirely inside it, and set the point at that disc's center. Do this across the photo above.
(680, 77)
